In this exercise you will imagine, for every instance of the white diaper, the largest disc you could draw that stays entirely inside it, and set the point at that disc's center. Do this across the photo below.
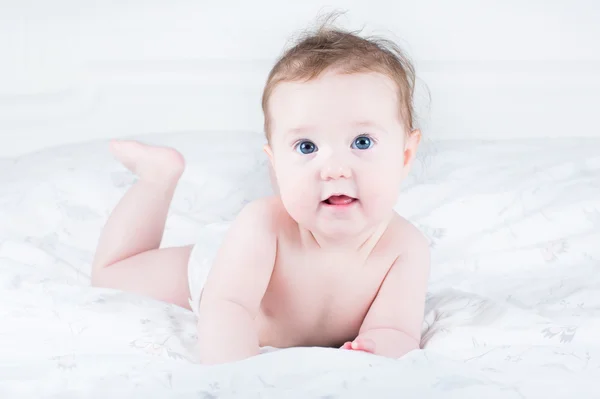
(201, 259)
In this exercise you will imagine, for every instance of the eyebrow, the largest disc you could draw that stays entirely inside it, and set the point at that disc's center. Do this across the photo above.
(368, 124)
(301, 129)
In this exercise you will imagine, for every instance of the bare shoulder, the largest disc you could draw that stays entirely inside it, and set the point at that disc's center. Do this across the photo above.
(403, 229)
(407, 239)
(263, 213)
(248, 252)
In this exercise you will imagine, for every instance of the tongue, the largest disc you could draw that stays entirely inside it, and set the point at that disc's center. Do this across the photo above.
(340, 200)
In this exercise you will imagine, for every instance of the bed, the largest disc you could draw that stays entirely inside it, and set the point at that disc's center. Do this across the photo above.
(513, 307)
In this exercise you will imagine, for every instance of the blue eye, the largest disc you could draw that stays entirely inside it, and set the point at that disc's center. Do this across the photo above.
(306, 147)
(362, 143)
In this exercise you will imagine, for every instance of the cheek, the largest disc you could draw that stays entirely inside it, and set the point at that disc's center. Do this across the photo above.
(381, 185)
(296, 188)
(290, 177)
(273, 179)
(379, 189)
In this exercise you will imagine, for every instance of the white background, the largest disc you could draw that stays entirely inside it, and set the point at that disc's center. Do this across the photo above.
(77, 70)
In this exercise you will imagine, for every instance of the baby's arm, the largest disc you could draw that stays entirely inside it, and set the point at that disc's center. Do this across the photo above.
(235, 287)
(393, 324)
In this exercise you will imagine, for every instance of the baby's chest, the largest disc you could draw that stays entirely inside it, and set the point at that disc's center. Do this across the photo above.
(319, 293)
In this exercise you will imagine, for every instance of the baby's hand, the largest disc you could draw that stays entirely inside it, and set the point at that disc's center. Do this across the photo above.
(360, 344)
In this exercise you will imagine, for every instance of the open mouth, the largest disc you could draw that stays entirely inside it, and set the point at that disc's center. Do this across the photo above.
(340, 200)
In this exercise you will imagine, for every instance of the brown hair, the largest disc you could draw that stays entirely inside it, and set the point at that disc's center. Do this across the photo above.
(334, 48)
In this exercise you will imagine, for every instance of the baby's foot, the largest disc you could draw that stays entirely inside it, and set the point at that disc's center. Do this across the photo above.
(150, 163)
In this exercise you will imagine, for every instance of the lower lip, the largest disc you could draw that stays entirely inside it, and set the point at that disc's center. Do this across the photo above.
(340, 206)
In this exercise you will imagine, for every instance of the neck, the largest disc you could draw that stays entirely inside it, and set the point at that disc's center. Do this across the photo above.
(360, 243)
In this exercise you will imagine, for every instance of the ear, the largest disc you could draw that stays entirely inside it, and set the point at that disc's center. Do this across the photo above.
(410, 150)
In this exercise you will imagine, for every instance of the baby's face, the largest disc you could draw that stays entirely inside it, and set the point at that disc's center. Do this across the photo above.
(339, 151)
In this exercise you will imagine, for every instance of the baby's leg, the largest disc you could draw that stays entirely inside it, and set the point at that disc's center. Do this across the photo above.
(128, 255)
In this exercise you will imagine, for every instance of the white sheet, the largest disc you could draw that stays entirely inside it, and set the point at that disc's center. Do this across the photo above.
(513, 311)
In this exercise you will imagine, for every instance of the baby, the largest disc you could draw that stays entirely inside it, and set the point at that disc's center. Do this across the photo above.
(326, 261)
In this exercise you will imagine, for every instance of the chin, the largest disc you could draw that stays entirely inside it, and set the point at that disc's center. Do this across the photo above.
(341, 230)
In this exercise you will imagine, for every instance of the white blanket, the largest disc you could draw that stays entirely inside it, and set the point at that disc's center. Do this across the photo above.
(513, 309)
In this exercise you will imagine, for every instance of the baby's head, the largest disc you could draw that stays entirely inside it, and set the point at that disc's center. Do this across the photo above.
(339, 124)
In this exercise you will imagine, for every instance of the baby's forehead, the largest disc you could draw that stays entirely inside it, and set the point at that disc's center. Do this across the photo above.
(335, 84)
(346, 98)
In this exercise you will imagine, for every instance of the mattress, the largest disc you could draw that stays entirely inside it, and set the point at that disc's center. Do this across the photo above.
(513, 306)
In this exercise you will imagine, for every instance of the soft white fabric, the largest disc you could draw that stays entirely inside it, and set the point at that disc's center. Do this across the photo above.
(513, 309)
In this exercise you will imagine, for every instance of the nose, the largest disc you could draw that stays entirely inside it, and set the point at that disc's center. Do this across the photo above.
(334, 171)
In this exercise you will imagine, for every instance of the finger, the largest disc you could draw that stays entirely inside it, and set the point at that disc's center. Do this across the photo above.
(364, 344)
(347, 345)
